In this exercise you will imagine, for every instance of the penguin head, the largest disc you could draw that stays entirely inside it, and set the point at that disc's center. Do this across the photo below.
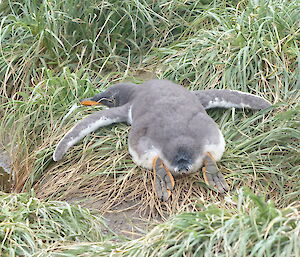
(114, 96)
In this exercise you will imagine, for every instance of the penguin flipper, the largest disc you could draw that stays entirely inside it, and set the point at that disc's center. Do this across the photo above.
(224, 98)
(87, 125)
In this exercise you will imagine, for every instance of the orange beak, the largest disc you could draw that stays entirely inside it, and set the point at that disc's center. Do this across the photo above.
(89, 102)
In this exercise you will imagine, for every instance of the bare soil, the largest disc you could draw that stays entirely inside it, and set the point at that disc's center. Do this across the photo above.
(125, 220)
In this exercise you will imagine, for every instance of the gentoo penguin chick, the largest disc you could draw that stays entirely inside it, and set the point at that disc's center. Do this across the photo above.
(171, 132)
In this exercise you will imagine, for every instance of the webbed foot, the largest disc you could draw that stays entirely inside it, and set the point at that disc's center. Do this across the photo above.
(164, 181)
(213, 176)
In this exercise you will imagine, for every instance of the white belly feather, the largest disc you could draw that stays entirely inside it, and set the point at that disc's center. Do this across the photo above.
(145, 159)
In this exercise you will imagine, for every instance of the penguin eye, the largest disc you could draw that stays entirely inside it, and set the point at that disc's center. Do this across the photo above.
(115, 101)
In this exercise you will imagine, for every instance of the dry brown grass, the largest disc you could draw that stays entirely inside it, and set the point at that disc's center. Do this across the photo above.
(100, 174)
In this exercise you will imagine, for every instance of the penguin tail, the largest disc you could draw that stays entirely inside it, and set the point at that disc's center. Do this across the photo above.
(182, 161)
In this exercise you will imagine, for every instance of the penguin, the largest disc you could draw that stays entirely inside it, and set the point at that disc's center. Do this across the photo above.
(171, 133)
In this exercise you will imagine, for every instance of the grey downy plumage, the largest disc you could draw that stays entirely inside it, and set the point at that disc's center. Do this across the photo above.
(171, 132)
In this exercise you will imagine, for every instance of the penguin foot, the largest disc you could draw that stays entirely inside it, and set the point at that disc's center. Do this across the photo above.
(164, 181)
(212, 175)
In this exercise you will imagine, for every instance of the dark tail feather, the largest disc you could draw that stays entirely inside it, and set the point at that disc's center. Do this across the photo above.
(182, 160)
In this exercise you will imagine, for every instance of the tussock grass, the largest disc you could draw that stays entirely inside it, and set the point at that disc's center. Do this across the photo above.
(28, 224)
(53, 53)
(265, 149)
(254, 227)
(253, 47)
(98, 35)
(245, 48)
(53, 34)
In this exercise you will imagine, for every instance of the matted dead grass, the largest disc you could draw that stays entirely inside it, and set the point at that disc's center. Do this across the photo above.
(84, 183)
(98, 173)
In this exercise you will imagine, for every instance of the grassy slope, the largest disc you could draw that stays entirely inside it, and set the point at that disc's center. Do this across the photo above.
(253, 227)
(28, 225)
(56, 53)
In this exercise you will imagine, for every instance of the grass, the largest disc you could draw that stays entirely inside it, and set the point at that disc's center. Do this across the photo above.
(54, 53)
(28, 224)
(251, 48)
(252, 227)
(98, 35)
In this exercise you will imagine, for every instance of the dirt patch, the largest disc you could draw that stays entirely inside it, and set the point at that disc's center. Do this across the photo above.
(133, 210)
(125, 219)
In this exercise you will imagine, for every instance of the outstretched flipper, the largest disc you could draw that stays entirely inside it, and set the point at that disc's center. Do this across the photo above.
(164, 181)
(212, 175)
(223, 98)
(89, 124)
